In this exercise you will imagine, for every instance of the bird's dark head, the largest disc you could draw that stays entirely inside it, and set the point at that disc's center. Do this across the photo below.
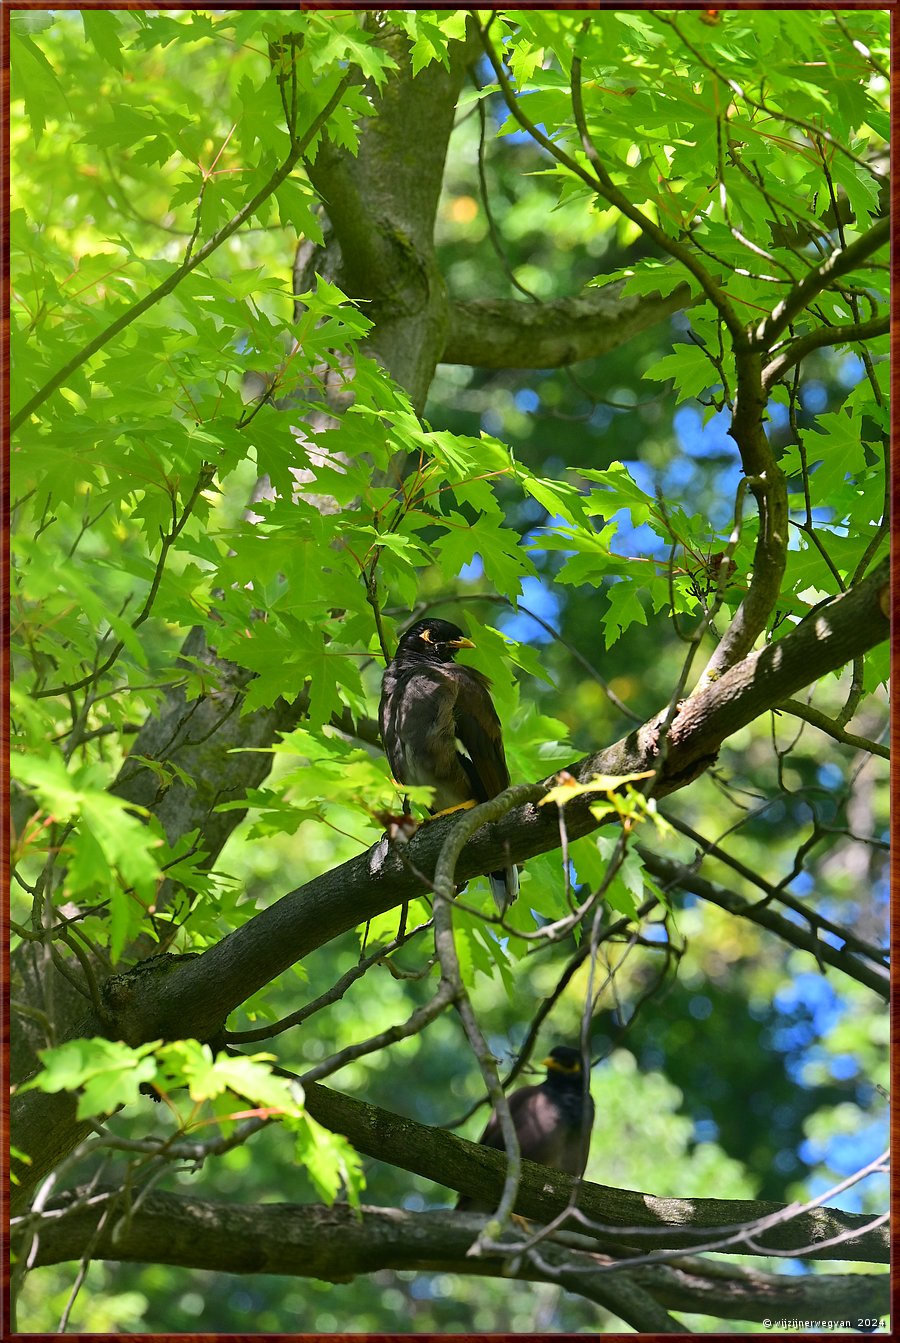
(433, 641)
(563, 1061)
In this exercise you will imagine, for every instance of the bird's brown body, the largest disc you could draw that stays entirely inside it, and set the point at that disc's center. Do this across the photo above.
(440, 728)
(553, 1120)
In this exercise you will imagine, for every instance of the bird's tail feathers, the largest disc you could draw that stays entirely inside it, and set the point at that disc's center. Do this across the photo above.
(504, 887)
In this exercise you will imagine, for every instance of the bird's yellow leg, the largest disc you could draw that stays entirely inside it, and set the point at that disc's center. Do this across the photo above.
(448, 811)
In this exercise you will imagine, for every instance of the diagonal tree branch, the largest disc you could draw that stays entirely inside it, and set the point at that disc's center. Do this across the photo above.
(197, 991)
(815, 340)
(832, 268)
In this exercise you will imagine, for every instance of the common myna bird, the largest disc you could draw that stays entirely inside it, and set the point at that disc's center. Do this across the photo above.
(440, 728)
(553, 1121)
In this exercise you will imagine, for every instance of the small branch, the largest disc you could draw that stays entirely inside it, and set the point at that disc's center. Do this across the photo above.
(332, 995)
(178, 1147)
(85, 1263)
(87, 967)
(878, 955)
(873, 977)
(445, 947)
(833, 729)
(815, 340)
(493, 231)
(860, 47)
(573, 652)
(602, 183)
(204, 478)
(767, 482)
(414, 1023)
(370, 582)
(776, 113)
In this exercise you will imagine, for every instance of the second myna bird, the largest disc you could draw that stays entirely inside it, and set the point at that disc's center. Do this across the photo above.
(553, 1120)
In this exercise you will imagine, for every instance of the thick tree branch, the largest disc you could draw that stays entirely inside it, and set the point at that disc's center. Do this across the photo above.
(730, 1292)
(171, 999)
(826, 635)
(331, 1244)
(379, 879)
(620, 1219)
(504, 333)
(334, 1245)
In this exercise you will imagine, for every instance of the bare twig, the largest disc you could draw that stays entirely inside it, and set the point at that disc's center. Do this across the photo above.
(875, 977)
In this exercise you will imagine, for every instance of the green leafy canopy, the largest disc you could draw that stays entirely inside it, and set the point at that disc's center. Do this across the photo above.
(195, 444)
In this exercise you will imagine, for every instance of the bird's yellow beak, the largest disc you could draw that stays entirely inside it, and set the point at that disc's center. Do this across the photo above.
(460, 643)
(555, 1066)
